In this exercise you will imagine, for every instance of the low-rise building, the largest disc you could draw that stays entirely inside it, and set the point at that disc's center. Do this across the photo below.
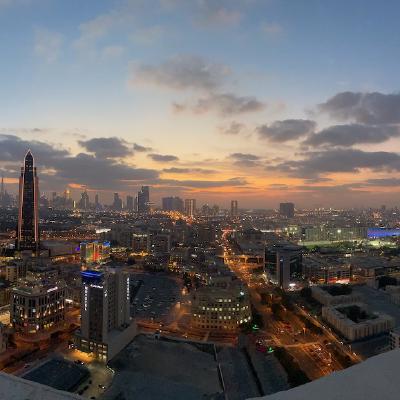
(326, 269)
(355, 321)
(222, 305)
(37, 306)
(328, 296)
(95, 252)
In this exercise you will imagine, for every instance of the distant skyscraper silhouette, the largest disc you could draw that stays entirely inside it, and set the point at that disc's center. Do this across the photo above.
(28, 212)
(129, 203)
(286, 210)
(190, 207)
(234, 208)
(84, 202)
(144, 200)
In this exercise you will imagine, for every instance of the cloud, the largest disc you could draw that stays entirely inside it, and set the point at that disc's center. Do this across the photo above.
(141, 149)
(338, 160)
(286, 130)
(218, 12)
(162, 157)
(58, 167)
(244, 156)
(112, 52)
(149, 35)
(366, 108)
(175, 170)
(13, 148)
(388, 182)
(111, 147)
(233, 129)
(181, 73)
(47, 44)
(245, 159)
(348, 135)
(100, 173)
(98, 27)
(224, 104)
(271, 28)
(202, 184)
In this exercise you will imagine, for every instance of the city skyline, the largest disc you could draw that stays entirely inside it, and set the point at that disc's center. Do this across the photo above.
(263, 102)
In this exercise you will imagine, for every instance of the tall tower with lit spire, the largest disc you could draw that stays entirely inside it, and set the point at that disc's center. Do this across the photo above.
(28, 212)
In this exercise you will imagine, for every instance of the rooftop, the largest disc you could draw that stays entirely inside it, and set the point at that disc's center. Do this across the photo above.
(21, 389)
(374, 379)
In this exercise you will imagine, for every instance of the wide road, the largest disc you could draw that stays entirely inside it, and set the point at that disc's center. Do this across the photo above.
(311, 351)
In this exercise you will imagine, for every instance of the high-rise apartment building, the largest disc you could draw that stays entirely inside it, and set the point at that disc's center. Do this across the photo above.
(129, 203)
(106, 324)
(172, 204)
(117, 204)
(5, 198)
(190, 207)
(289, 265)
(286, 210)
(234, 208)
(96, 201)
(28, 208)
(144, 199)
(84, 202)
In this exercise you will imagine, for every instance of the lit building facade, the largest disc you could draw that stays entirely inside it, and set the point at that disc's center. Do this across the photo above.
(190, 207)
(28, 211)
(106, 325)
(37, 307)
(221, 306)
(333, 234)
(94, 252)
(15, 271)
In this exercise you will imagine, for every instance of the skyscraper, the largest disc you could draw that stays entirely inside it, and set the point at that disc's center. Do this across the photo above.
(286, 210)
(234, 208)
(106, 325)
(28, 212)
(2, 191)
(129, 203)
(190, 207)
(172, 204)
(84, 202)
(144, 199)
(117, 205)
(5, 198)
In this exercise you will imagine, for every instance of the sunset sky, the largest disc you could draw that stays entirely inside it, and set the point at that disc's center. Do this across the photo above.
(256, 100)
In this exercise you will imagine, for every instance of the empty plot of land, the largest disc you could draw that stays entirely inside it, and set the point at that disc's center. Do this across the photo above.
(163, 370)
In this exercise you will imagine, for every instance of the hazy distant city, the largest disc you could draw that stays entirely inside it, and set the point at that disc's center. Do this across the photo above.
(199, 200)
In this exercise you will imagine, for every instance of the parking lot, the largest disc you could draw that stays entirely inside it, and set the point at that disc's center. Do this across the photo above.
(157, 299)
